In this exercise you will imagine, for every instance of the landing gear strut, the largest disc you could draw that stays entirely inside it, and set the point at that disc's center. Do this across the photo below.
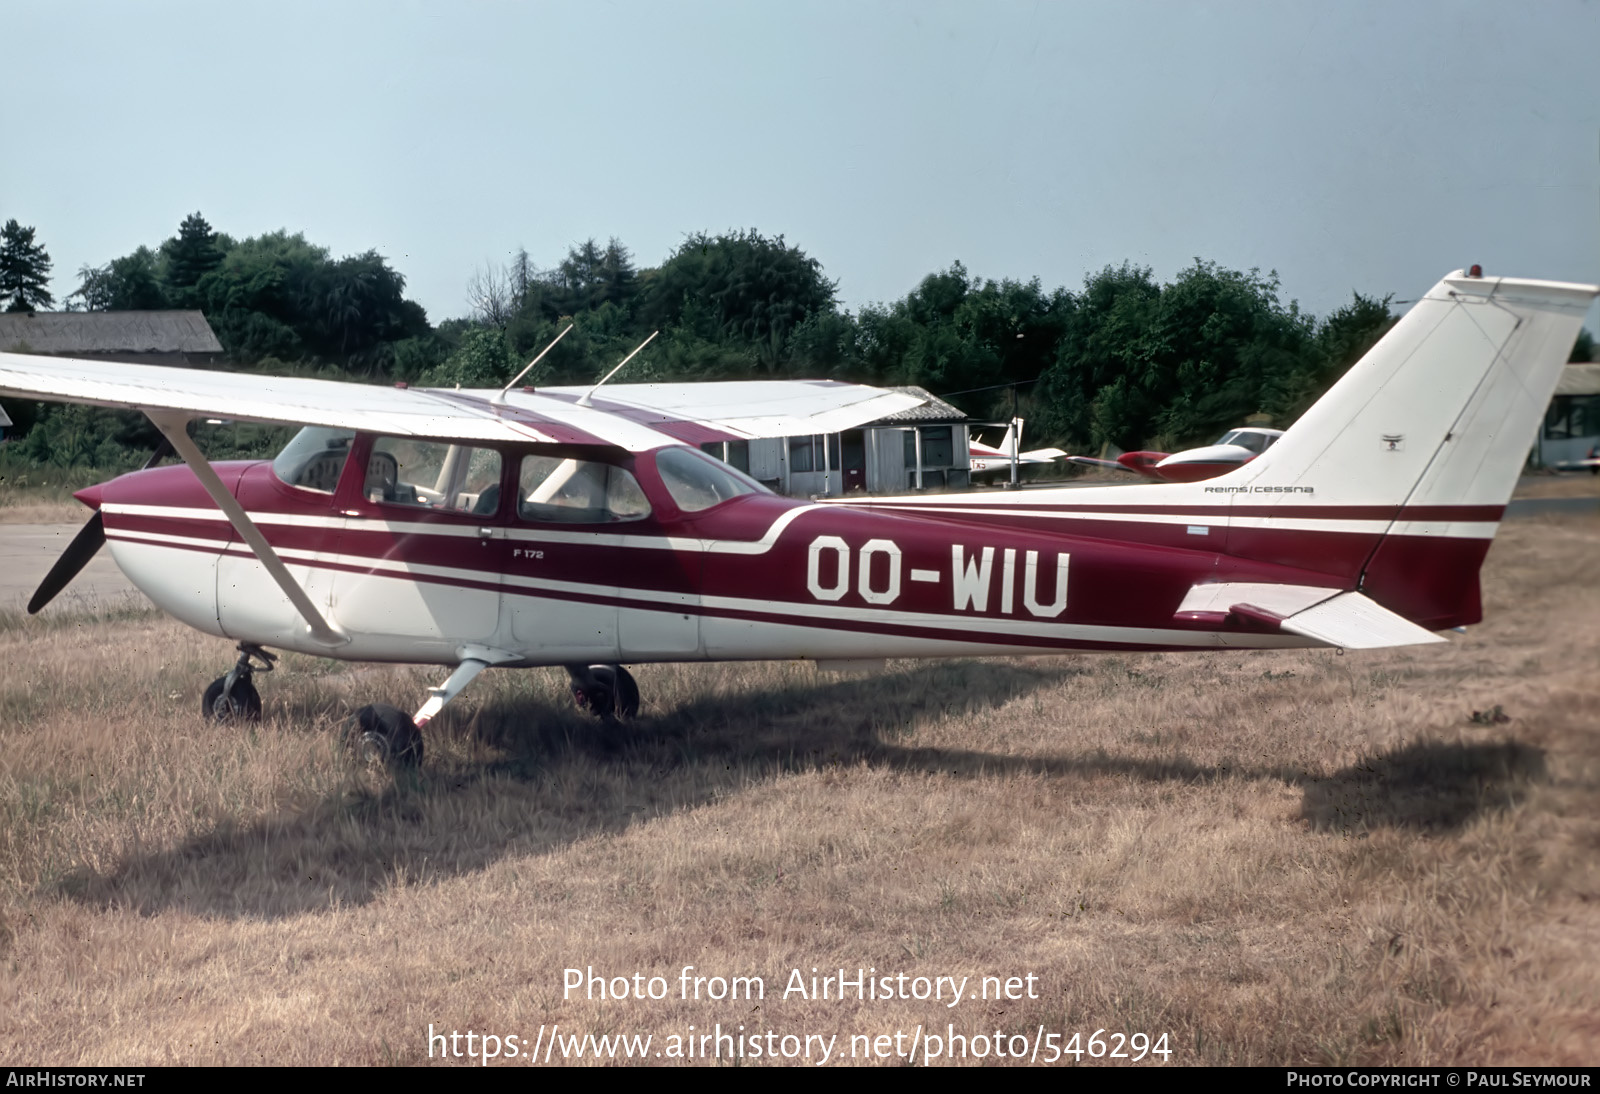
(234, 696)
(608, 692)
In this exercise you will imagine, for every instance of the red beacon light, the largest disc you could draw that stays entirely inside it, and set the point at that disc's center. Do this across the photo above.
(1475, 271)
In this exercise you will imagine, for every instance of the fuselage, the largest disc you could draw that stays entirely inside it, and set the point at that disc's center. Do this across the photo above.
(754, 576)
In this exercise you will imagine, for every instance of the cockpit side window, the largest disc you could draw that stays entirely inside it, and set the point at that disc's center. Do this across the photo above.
(315, 458)
(564, 490)
(433, 475)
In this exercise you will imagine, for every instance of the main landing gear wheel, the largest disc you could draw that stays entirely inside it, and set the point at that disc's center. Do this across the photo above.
(606, 691)
(234, 697)
(384, 734)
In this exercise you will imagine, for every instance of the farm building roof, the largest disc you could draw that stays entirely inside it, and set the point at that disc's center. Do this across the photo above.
(88, 333)
(1579, 379)
(934, 409)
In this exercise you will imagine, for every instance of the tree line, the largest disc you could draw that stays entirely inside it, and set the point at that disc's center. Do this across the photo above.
(1126, 360)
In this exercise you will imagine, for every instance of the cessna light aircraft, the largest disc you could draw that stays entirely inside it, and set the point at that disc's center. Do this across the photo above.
(586, 528)
(986, 459)
(1233, 448)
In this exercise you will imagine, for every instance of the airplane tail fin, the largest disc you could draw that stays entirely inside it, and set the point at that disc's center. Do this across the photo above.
(1013, 441)
(1419, 445)
(1392, 485)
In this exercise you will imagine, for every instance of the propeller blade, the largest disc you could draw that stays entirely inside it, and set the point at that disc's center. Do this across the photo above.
(73, 559)
(90, 538)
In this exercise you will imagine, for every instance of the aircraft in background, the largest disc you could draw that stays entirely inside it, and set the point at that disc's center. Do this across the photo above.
(987, 460)
(585, 528)
(1232, 450)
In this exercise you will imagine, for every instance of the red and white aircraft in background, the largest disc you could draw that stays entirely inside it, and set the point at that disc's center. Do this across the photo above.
(1233, 449)
(471, 529)
(987, 460)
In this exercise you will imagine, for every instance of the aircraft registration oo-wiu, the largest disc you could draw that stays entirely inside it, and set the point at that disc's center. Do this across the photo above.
(586, 528)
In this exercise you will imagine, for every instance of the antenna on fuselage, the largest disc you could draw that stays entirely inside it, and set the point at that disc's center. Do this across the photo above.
(588, 395)
(501, 397)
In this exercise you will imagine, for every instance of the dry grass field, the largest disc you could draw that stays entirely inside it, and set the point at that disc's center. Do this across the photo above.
(1298, 857)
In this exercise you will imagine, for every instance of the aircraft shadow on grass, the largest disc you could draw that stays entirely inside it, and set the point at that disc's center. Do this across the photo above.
(561, 778)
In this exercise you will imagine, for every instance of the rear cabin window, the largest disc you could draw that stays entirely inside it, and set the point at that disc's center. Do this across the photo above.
(315, 458)
(563, 490)
(433, 475)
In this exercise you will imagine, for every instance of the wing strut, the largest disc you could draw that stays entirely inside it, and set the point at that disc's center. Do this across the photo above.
(173, 426)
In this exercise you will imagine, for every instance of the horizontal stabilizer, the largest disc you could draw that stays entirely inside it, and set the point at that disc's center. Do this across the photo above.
(1354, 622)
(1282, 600)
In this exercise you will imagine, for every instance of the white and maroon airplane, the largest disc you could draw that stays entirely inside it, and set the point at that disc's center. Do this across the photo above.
(587, 529)
(1233, 449)
(985, 459)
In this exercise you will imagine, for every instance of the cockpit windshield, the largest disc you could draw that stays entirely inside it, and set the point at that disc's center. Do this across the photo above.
(1252, 439)
(314, 458)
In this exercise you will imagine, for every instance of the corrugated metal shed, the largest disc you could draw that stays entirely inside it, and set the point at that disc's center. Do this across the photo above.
(99, 333)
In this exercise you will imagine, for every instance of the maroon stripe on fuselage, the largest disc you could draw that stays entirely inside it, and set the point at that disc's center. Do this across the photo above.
(1285, 510)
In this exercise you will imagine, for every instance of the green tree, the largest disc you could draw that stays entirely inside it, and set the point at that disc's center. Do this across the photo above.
(277, 295)
(1101, 346)
(189, 257)
(483, 359)
(24, 270)
(955, 333)
(589, 277)
(739, 288)
(129, 283)
(1343, 338)
(1146, 365)
(1583, 347)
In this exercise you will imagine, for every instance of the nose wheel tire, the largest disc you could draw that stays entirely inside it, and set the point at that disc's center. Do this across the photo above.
(242, 704)
(234, 697)
(607, 691)
(383, 734)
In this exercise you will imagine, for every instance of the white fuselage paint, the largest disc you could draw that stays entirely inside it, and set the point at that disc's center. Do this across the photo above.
(408, 612)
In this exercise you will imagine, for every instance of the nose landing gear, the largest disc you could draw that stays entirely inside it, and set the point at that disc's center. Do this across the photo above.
(234, 696)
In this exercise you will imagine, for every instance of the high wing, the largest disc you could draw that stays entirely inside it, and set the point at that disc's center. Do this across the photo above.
(745, 409)
(634, 416)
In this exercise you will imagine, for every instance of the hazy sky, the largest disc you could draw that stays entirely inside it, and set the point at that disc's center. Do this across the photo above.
(1369, 146)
